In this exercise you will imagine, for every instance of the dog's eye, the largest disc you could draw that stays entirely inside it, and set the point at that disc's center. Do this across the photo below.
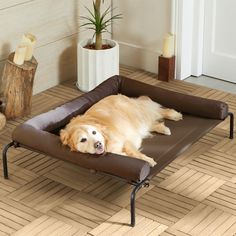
(94, 132)
(83, 140)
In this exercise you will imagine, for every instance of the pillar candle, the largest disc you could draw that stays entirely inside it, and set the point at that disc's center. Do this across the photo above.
(168, 46)
(20, 53)
(29, 40)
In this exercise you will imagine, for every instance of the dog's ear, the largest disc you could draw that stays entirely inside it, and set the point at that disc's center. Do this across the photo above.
(64, 136)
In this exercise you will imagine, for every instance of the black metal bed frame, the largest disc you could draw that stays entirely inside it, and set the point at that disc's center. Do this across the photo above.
(137, 185)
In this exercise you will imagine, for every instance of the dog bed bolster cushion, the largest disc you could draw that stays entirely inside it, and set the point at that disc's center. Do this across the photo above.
(44, 142)
(185, 103)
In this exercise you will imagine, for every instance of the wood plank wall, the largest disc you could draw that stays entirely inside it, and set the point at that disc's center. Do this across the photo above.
(55, 24)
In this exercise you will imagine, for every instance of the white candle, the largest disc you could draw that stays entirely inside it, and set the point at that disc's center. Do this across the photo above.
(29, 40)
(20, 53)
(168, 46)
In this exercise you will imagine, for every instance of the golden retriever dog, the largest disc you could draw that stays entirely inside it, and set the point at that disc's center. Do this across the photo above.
(117, 124)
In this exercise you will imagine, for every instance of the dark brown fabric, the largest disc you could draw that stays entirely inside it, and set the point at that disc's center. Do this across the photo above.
(61, 115)
(38, 133)
(184, 133)
(127, 168)
(181, 102)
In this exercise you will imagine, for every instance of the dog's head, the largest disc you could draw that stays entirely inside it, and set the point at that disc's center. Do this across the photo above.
(84, 138)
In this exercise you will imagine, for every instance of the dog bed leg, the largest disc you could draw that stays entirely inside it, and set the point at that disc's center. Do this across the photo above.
(138, 186)
(231, 134)
(4, 158)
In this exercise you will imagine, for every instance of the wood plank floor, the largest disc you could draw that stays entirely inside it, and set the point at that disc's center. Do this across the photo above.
(194, 195)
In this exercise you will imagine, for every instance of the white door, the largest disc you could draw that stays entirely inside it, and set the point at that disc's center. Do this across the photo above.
(219, 53)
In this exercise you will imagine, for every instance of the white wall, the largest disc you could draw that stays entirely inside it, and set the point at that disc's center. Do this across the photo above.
(141, 31)
(55, 25)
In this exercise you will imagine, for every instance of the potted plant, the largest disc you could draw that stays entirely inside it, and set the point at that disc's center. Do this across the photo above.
(98, 58)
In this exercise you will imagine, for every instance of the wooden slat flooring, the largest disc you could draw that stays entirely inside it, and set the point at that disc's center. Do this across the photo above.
(166, 172)
(67, 173)
(164, 206)
(113, 190)
(192, 184)
(193, 195)
(206, 220)
(216, 163)
(14, 216)
(84, 211)
(35, 162)
(42, 194)
(224, 198)
(117, 225)
(46, 225)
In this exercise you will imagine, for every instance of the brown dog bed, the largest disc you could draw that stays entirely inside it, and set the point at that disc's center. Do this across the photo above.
(41, 133)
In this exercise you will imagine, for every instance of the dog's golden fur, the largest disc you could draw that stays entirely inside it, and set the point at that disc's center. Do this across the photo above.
(117, 124)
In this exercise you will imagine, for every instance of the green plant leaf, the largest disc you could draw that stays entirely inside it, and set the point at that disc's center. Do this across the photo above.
(97, 21)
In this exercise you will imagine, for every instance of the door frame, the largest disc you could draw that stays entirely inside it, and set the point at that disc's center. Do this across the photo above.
(189, 30)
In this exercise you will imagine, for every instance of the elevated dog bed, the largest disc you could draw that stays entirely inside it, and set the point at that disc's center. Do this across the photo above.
(41, 133)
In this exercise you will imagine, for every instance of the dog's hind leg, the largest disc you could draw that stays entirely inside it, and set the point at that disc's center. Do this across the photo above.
(160, 128)
(171, 114)
(131, 151)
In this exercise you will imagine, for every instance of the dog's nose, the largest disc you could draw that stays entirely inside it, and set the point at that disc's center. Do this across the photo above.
(98, 144)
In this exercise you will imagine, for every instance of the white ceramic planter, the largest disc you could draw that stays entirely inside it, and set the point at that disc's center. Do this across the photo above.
(95, 66)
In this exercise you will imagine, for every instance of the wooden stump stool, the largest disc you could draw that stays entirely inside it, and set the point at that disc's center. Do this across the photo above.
(17, 84)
